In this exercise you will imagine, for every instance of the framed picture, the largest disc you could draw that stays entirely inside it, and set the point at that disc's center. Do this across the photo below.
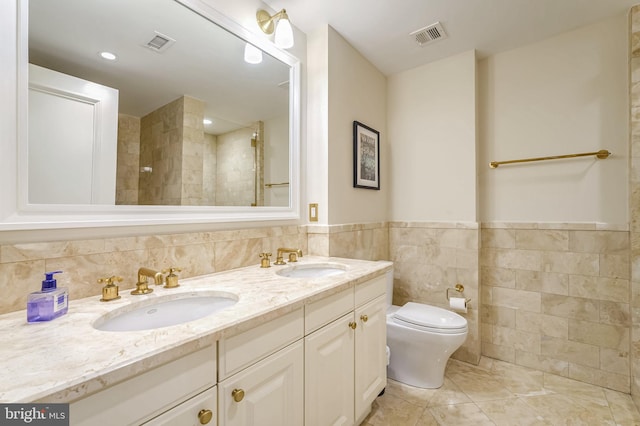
(366, 157)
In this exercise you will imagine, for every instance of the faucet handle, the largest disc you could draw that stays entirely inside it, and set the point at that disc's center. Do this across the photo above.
(171, 281)
(265, 262)
(110, 290)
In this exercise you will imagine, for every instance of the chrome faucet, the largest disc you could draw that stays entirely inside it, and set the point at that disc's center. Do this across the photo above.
(143, 274)
(293, 255)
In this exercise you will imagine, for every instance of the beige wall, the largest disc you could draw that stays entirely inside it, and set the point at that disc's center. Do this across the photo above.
(235, 175)
(276, 160)
(557, 300)
(432, 134)
(316, 179)
(128, 163)
(343, 87)
(161, 133)
(552, 299)
(209, 168)
(634, 200)
(566, 94)
(84, 261)
(357, 91)
(192, 152)
(430, 257)
(367, 241)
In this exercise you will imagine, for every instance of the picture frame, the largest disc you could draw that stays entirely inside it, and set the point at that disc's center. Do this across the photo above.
(366, 157)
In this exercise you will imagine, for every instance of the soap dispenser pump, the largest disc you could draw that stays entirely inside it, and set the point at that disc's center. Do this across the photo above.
(48, 303)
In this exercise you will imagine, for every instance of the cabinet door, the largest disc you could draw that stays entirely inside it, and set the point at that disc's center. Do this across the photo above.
(267, 393)
(370, 354)
(329, 374)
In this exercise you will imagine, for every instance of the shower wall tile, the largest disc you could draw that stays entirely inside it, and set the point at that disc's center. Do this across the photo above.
(568, 287)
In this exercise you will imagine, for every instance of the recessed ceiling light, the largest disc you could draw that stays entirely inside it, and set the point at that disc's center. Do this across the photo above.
(207, 121)
(108, 56)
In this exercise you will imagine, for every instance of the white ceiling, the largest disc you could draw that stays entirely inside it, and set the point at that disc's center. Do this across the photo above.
(379, 29)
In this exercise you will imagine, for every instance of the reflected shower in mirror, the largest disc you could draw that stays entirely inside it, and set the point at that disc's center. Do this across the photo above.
(173, 116)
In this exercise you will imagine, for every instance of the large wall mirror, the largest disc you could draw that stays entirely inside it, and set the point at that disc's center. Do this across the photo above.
(177, 122)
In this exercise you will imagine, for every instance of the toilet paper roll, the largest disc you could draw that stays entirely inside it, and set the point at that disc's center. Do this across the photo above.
(458, 304)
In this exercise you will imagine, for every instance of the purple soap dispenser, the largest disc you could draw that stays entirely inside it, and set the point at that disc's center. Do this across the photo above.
(49, 303)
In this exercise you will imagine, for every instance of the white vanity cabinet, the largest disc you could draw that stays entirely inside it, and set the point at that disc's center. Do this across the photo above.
(143, 398)
(345, 355)
(320, 364)
(262, 374)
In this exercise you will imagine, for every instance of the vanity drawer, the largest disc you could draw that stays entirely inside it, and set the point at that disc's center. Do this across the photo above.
(195, 411)
(322, 312)
(371, 289)
(142, 397)
(244, 349)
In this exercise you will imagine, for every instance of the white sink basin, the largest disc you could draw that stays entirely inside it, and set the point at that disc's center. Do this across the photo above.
(165, 311)
(313, 270)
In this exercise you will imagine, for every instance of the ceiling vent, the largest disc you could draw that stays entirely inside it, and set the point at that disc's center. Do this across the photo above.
(429, 34)
(160, 42)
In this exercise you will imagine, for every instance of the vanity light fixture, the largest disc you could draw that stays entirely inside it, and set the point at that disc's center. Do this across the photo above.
(108, 56)
(252, 55)
(283, 30)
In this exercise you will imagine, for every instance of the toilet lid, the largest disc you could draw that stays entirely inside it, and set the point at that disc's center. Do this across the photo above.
(430, 316)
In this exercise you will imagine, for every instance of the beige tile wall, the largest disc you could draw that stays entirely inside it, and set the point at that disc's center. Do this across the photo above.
(366, 241)
(235, 175)
(209, 168)
(128, 161)
(84, 261)
(634, 198)
(161, 148)
(192, 152)
(431, 257)
(557, 300)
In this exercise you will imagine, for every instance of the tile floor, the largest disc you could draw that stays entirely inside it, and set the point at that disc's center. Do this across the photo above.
(500, 393)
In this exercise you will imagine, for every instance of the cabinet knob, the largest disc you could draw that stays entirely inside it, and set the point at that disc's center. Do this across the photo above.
(353, 325)
(237, 394)
(205, 416)
(364, 318)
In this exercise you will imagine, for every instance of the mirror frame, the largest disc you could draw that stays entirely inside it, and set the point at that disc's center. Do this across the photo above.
(17, 214)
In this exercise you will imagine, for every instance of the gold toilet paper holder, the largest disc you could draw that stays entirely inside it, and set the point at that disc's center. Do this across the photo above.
(459, 288)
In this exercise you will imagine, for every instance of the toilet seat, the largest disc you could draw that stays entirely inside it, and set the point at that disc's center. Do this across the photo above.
(429, 318)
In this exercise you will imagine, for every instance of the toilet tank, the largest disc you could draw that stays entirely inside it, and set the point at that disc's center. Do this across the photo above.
(389, 288)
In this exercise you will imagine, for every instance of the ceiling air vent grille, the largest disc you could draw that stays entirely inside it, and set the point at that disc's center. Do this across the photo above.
(429, 34)
(160, 42)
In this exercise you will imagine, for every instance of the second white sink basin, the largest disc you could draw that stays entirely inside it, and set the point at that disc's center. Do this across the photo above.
(165, 311)
(313, 270)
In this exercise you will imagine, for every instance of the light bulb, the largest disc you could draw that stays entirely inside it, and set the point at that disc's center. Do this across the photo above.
(108, 56)
(252, 54)
(284, 34)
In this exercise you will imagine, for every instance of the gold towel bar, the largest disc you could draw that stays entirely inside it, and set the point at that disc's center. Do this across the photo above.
(269, 185)
(602, 154)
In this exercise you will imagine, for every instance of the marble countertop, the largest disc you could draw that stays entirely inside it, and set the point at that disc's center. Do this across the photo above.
(65, 359)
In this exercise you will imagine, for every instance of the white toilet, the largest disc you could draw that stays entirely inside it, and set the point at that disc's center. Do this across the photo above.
(421, 338)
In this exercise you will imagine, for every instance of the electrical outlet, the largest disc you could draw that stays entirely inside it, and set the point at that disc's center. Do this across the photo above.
(313, 212)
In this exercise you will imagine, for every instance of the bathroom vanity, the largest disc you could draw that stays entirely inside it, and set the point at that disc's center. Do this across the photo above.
(291, 351)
